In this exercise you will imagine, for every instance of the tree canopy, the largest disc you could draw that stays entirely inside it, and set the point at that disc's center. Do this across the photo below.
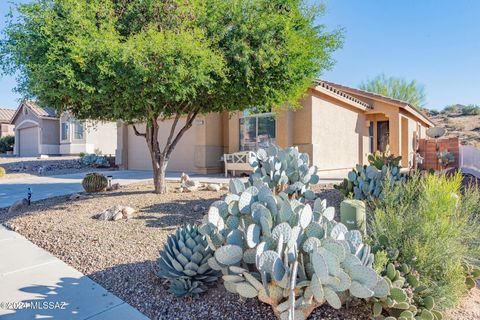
(149, 60)
(397, 88)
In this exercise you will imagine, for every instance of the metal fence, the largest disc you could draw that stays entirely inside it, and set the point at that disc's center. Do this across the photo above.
(470, 160)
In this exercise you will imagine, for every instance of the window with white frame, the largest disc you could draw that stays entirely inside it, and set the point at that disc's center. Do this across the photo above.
(78, 130)
(257, 130)
(65, 127)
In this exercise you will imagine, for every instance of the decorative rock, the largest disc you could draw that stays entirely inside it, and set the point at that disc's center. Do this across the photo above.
(114, 187)
(74, 196)
(213, 187)
(179, 190)
(224, 186)
(18, 205)
(184, 178)
(127, 212)
(191, 189)
(197, 208)
(192, 183)
(117, 216)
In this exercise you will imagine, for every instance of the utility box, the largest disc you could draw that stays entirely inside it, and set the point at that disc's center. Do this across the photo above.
(353, 215)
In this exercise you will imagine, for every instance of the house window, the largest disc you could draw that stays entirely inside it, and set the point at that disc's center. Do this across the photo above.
(78, 130)
(256, 130)
(65, 129)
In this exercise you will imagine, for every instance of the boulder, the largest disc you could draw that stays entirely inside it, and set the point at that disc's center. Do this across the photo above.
(111, 213)
(74, 196)
(18, 205)
(213, 187)
(184, 178)
(127, 212)
(114, 187)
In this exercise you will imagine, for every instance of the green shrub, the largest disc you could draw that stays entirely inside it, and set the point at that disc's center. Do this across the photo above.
(6, 143)
(436, 229)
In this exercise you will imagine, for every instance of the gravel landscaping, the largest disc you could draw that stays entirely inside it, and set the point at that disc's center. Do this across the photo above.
(121, 255)
(28, 166)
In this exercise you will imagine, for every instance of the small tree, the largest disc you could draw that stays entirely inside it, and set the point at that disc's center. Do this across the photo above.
(397, 88)
(148, 61)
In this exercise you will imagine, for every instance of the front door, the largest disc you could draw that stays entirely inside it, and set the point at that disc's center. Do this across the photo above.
(383, 135)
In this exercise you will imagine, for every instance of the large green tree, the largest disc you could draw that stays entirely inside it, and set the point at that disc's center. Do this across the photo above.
(151, 60)
(397, 88)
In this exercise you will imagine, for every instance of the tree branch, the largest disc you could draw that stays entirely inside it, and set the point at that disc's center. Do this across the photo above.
(172, 132)
(191, 116)
(137, 133)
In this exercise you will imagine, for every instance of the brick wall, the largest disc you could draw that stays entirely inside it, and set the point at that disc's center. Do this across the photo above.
(428, 148)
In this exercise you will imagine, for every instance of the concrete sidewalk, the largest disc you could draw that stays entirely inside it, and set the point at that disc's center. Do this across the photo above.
(34, 284)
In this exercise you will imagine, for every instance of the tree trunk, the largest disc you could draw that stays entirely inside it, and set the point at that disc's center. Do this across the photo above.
(158, 157)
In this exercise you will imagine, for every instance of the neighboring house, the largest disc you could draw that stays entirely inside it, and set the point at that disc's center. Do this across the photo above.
(39, 131)
(6, 129)
(337, 126)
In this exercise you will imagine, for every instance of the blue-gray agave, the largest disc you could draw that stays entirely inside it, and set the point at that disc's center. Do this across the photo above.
(184, 262)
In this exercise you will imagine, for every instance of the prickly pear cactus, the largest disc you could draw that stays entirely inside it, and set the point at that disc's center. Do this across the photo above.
(288, 252)
(367, 182)
(286, 170)
(184, 262)
(94, 182)
(409, 299)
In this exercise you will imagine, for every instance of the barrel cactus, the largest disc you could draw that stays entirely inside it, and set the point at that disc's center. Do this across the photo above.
(184, 262)
(94, 182)
(286, 170)
(2, 172)
(287, 250)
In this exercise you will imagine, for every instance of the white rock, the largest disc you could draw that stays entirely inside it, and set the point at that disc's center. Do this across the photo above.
(184, 178)
(117, 216)
(213, 187)
(128, 212)
(192, 183)
(18, 205)
(191, 189)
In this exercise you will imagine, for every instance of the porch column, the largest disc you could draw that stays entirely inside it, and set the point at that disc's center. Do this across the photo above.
(283, 128)
(234, 133)
(394, 134)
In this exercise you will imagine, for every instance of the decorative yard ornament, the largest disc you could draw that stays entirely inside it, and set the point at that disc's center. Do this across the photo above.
(29, 195)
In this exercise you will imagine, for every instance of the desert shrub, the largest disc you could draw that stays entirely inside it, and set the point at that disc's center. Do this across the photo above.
(470, 110)
(95, 161)
(456, 126)
(286, 248)
(6, 143)
(2, 172)
(184, 262)
(435, 228)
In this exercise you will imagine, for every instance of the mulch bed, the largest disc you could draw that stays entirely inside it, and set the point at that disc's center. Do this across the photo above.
(121, 255)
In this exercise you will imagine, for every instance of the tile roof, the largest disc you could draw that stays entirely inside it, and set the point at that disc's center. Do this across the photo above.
(6, 115)
(376, 96)
(41, 111)
(328, 85)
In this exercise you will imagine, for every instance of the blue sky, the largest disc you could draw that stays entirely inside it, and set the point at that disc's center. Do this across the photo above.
(436, 42)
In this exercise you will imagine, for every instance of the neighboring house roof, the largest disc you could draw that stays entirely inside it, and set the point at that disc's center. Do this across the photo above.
(334, 90)
(379, 97)
(40, 112)
(6, 115)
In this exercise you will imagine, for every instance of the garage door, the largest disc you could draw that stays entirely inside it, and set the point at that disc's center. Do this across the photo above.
(181, 159)
(28, 144)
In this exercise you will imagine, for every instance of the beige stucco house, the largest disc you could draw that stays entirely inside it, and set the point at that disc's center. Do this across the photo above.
(336, 125)
(6, 128)
(39, 131)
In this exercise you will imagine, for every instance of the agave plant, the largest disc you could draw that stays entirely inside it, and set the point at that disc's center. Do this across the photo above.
(287, 251)
(184, 262)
